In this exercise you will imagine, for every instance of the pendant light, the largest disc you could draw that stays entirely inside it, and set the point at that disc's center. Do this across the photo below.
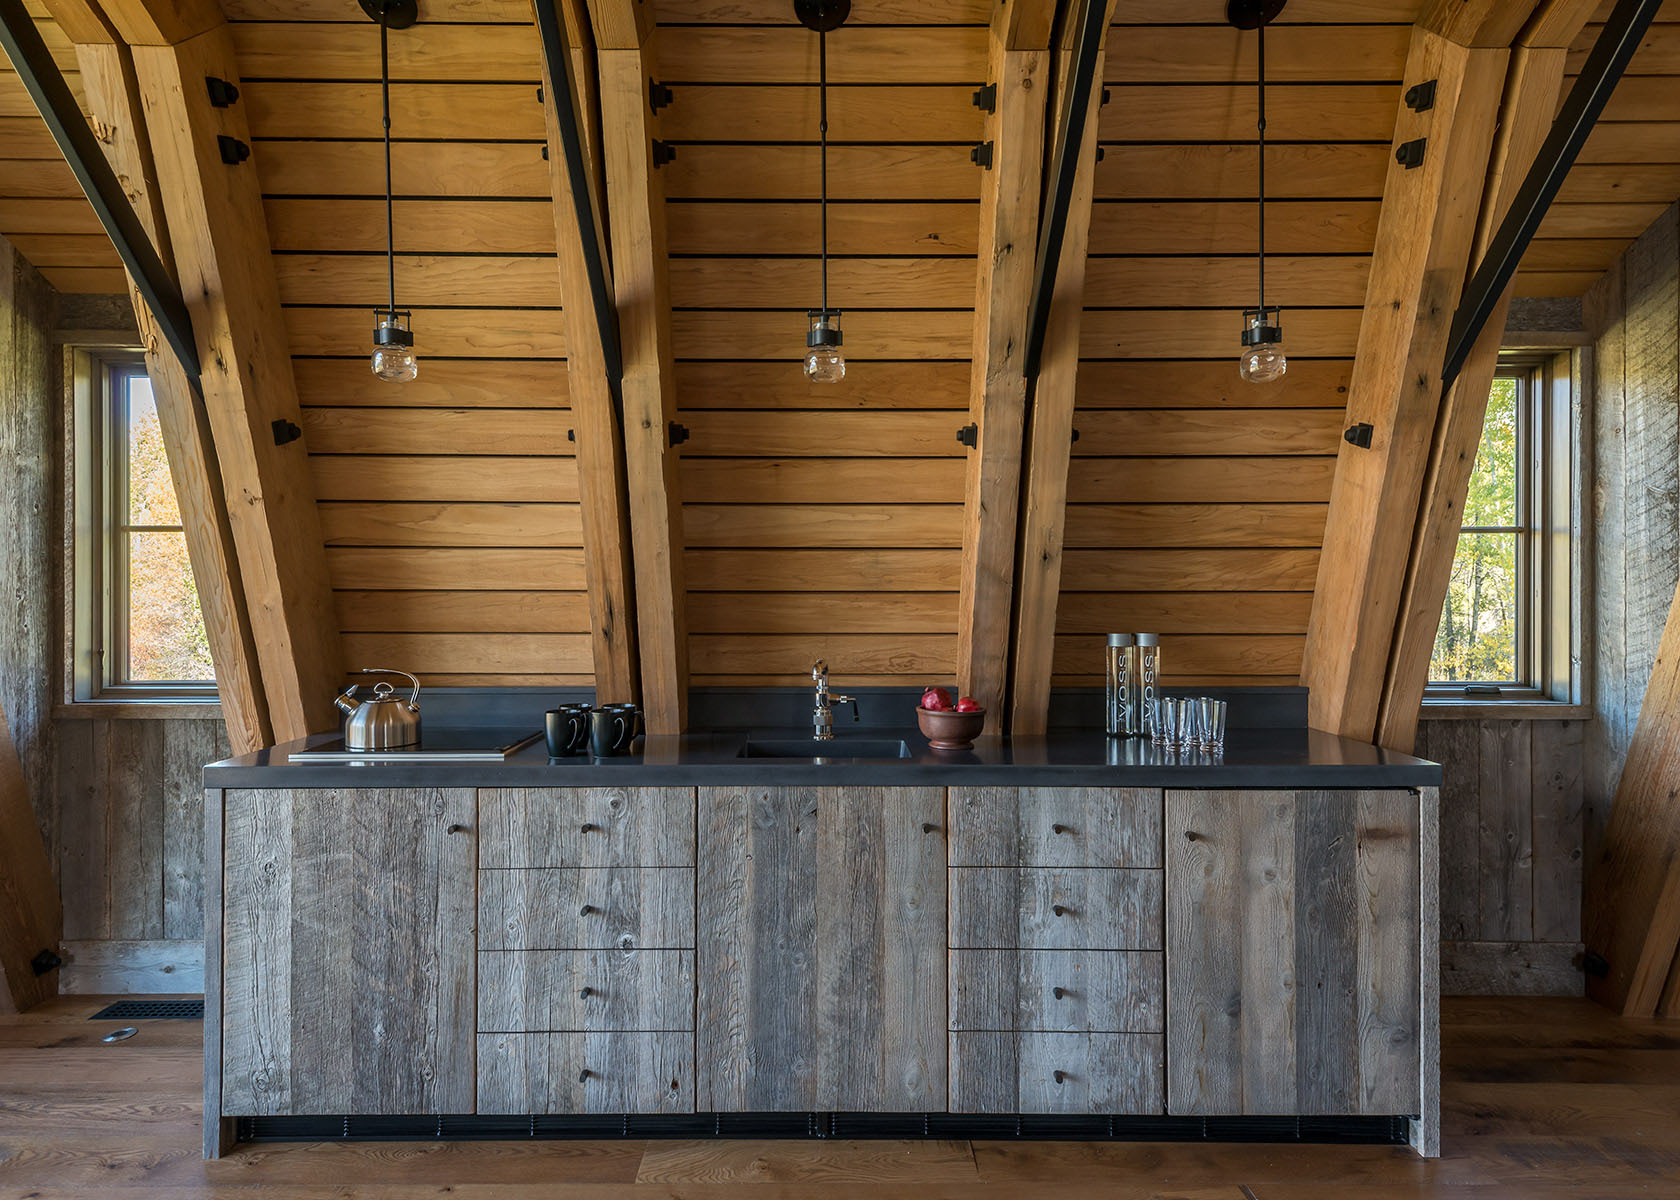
(1262, 357)
(824, 363)
(393, 339)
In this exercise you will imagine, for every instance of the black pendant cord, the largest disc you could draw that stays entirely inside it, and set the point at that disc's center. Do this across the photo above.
(822, 129)
(390, 226)
(1262, 196)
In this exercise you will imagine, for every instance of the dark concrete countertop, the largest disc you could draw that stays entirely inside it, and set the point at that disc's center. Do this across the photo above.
(1253, 758)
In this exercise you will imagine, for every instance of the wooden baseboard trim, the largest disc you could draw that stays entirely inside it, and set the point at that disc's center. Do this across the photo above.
(124, 968)
(1511, 969)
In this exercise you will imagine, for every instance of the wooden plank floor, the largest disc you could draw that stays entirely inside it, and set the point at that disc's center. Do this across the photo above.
(1545, 1099)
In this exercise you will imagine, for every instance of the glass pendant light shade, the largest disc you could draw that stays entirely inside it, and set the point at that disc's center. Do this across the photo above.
(823, 361)
(393, 347)
(1263, 359)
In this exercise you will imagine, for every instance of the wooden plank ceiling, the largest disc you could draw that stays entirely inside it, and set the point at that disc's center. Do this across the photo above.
(827, 521)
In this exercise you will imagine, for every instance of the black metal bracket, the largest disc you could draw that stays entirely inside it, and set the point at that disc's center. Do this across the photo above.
(1605, 63)
(659, 96)
(285, 432)
(232, 150)
(557, 58)
(1420, 97)
(222, 93)
(985, 98)
(1358, 435)
(1075, 435)
(1070, 137)
(981, 155)
(969, 435)
(571, 435)
(1410, 154)
(663, 152)
(86, 158)
(45, 961)
(678, 433)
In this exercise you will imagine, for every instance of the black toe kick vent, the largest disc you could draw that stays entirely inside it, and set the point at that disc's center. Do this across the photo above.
(949, 1126)
(151, 1010)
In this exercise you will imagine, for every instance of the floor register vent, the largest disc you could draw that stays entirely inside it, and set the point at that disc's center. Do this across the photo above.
(151, 1010)
(944, 1126)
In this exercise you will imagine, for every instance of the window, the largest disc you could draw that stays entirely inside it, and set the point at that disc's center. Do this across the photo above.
(139, 633)
(1506, 629)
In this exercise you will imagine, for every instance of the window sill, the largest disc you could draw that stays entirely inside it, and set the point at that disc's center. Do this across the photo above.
(139, 710)
(1504, 710)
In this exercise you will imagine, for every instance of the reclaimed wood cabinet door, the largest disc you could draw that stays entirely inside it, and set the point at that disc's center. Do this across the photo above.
(821, 955)
(1294, 981)
(348, 951)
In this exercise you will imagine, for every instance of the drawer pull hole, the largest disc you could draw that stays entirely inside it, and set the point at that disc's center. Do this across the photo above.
(456, 829)
(929, 827)
(1061, 910)
(583, 1075)
(1060, 1076)
(1061, 829)
(587, 909)
(586, 993)
(1059, 993)
(588, 827)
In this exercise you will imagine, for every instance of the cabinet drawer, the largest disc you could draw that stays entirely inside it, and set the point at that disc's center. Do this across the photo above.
(1055, 827)
(1078, 908)
(622, 908)
(1056, 1072)
(585, 1073)
(586, 827)
(1064, 991)
(542, 991)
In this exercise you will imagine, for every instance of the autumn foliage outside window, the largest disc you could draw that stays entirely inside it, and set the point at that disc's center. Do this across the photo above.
(145, 635)
(1509, 629)
(1482, 621)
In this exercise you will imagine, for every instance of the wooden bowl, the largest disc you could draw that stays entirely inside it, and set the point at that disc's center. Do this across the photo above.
(951, 730)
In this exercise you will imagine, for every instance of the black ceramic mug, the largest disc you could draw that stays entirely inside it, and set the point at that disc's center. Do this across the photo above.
(635, 716)
(611, 730)
(567, 730)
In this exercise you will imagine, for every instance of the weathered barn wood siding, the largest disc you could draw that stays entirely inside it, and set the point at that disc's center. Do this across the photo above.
(131, 858)
(1511, 854)
(1634, 313)
(28, 521)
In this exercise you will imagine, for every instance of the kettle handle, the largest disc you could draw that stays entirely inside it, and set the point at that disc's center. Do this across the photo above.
(413, 696)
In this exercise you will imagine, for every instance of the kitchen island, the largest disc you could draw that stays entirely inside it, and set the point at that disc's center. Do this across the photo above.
(1058, 936)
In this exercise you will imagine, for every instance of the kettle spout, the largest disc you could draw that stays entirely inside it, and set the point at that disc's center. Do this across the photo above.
(346, 700)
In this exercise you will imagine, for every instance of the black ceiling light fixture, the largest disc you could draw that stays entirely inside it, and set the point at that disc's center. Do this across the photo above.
(393, 339)
(824, 363)
(1262, 358)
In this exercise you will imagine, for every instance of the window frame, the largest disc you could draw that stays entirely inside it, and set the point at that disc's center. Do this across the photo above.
(1551, 484)
(98, 546)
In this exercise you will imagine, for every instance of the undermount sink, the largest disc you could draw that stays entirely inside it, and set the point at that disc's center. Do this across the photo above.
(843, 748)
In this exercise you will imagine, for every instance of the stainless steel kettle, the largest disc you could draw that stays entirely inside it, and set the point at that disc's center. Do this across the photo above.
(384, 722)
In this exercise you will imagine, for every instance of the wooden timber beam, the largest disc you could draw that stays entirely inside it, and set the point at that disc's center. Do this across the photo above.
(221, 250)
(1049, 436)
(1424, 237)
(1019, 71)
(112, 91)
(31, 919)
(636, 204)
(1631, 916)
(592, 364)
(1532, 87)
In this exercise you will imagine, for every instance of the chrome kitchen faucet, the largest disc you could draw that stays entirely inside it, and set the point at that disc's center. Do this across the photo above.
(822, 716)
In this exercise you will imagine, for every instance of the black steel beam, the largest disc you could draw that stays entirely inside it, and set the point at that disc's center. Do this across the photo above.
(1609, 57)
(558, 58)
(82, 151)
(1070, 137)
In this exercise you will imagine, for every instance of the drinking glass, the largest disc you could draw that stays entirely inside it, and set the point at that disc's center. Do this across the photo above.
(1211, 718)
